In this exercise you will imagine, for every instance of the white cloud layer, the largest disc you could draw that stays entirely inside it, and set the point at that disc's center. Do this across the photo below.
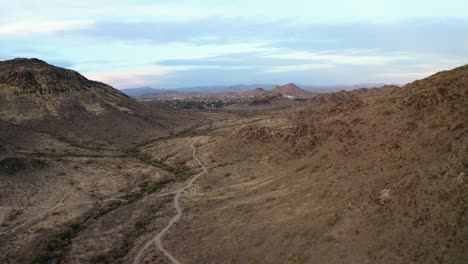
(25, 27)
(171, 43)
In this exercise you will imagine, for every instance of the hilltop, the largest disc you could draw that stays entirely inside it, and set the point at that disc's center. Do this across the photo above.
(47, 98)
(290, 89)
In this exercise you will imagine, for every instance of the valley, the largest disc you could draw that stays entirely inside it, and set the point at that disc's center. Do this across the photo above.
(364, 176)
(109, 198)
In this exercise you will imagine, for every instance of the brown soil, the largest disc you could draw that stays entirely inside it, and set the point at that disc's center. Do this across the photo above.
(368, 180)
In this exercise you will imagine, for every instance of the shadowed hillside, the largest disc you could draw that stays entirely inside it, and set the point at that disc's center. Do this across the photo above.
(46, 98)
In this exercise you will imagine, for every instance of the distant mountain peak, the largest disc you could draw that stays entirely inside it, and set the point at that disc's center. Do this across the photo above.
(257, 92)
(290, 89)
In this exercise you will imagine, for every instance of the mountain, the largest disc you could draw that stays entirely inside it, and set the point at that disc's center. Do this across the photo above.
(47, 98)
(137, 92)
(258, 92)
(198, 89)
(387, 165)
(54, 91)
(290, 89)
(338, 87)
(331, 99)
(173, 94)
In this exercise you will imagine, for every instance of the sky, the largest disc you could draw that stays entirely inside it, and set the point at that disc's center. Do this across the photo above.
(184, 43)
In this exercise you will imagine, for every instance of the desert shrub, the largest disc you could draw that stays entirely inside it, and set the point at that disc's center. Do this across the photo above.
(140, 225)
(331, 221)
(14, 214)
(98, 258)
(54, 249)
(293, 259)
(329, 238)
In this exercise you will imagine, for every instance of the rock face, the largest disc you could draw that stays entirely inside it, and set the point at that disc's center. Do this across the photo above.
(290, 89)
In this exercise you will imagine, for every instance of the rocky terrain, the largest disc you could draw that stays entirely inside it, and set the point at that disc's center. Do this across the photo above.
(375, 176)
(291, 89)
(89, 175)
(324, 100)
(50, 99)
(72, 160)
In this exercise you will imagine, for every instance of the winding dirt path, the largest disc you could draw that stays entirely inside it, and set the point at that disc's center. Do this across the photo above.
(157, 240)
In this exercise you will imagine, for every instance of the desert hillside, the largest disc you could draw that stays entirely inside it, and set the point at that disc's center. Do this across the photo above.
(51, 99)
(233, 132)
(380, 177)
(88, 174)
(73, 155)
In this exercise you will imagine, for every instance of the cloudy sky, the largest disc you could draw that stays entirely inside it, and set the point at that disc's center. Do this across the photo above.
(180, 43)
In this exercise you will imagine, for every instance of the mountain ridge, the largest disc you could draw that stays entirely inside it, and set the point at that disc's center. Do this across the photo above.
(48, 98)
(290, 89)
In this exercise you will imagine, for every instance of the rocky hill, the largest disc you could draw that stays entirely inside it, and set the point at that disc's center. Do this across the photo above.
(258, 92)
(380, 175)
(326, 100)
(290, 89)
(43, 97)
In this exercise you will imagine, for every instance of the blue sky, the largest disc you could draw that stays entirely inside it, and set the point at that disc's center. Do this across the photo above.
(168, 44)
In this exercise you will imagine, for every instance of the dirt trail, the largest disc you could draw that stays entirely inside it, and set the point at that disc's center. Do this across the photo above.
(178, 193)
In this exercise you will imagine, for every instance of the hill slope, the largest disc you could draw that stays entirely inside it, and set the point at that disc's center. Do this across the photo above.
(324, 100)
(377, 179)
(258, 92)
(40, 96)
(290, 89)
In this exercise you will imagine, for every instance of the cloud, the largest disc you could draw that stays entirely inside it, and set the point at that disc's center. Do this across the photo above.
(183, 43)
(287, 43)
(430, 35)
(26, 27)
(228, 60)
(415, 35)
(341, 57)
(298, 67)
(405, 75)
(282, 60)
(213, 30)
(124, 79)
